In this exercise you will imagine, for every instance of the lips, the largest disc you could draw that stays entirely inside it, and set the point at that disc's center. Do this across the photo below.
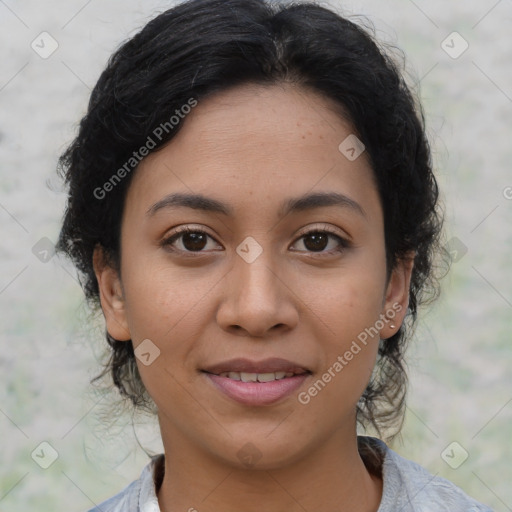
(267, 366)
(257, 383)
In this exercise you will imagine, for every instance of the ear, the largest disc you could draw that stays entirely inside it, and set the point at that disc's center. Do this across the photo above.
(111, 296)
(396, 300)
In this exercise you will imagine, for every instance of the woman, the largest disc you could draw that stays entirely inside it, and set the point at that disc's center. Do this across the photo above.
(251, 202)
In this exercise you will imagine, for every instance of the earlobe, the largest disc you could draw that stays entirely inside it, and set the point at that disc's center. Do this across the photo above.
(111, 296)
(396, 300)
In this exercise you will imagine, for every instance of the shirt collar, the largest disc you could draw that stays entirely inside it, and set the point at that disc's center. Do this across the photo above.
(150, 480)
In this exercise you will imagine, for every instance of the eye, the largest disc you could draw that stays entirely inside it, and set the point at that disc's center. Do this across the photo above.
(317, 240)
(195, 240)
(190, 240)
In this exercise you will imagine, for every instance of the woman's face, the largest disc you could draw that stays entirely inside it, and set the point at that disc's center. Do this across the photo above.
(257, 176)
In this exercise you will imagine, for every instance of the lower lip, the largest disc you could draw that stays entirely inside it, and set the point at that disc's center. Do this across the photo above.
(257, 393)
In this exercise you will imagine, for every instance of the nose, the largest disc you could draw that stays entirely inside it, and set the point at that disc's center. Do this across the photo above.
(256, 300)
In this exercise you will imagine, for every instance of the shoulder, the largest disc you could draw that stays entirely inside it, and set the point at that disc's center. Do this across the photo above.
(127, 500)
(138, 495)
(411, 488)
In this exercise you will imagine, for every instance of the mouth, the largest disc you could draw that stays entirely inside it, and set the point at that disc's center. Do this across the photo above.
(257, 377)
(257, 383)
(267, 370)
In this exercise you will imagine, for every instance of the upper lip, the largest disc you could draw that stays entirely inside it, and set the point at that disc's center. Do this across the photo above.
(271, 365)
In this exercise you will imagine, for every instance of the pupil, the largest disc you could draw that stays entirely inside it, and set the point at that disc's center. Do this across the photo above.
(194, 241)
(319, 242)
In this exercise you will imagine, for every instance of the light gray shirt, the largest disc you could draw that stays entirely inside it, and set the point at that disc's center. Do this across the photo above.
(407, 487)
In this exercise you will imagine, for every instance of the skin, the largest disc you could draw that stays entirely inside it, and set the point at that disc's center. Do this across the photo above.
(252, 147)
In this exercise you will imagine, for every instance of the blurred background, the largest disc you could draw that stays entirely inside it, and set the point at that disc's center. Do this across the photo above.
(62, 444)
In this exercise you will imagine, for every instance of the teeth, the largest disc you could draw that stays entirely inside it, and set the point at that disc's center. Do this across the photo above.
(266, 377)
(256, 377)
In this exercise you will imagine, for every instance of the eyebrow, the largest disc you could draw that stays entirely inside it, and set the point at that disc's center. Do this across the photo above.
(292, 205)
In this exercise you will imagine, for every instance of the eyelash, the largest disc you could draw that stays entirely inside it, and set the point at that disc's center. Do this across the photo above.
(343, 243)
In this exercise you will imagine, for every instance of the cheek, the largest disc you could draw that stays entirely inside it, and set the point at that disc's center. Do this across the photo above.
(157, 296)
(347, 310)
(169, 306)
(348, 300)
(351, 316)
(349, 349)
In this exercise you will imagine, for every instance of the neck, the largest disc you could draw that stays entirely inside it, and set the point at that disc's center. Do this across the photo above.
(332, 477)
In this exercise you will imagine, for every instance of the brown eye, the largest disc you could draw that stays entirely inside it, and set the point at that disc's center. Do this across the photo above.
(194, 241)
(317, 241)
(188, 240)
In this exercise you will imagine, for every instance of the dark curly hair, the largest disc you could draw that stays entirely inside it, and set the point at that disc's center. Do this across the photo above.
(200, 47)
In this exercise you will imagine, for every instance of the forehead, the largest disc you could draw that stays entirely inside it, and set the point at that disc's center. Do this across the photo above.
(253, 142)
(247, 119)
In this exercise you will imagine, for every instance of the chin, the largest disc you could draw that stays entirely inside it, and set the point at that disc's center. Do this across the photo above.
(261, 453)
